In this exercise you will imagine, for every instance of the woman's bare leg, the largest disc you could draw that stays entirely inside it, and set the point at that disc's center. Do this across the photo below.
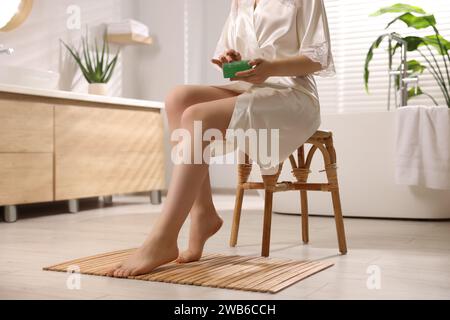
(205, 221)
(187, 180)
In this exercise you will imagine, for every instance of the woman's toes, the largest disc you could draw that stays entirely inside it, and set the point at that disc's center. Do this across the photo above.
(111, 272)
(126, 273)
(122, 273)
(117, 273)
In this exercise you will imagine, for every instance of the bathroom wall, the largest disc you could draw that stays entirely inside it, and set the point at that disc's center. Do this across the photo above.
(161, 66)
(37, 45)
(185, 34)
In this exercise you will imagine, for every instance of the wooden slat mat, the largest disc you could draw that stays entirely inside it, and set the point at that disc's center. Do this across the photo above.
(256, 274)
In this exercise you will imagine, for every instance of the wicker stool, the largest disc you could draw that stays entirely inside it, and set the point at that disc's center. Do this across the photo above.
(322, 141)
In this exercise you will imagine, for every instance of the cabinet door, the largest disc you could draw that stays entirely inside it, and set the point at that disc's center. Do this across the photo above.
(25, 126)
(101, 151)
(26, 151)
(26, 178)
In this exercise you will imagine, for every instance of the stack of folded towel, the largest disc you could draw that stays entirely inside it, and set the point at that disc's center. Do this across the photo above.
(423, 147)
(128, 27)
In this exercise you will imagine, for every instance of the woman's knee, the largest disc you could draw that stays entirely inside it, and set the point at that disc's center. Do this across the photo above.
(195, 113)
(201, 113)
(177, 100)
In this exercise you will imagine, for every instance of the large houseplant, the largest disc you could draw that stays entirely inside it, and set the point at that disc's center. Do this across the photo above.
(423, 132)
(432, 48)
(95, 64)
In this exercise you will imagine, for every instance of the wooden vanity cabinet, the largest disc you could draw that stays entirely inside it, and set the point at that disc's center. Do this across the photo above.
(55, 149)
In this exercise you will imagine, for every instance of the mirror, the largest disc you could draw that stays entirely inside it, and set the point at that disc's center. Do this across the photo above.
(13, 13)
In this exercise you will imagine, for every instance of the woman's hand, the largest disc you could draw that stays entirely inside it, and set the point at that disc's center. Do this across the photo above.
(229, 56)
(260, 72)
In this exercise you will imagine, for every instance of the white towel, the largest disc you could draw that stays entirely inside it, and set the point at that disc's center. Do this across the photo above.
(423, 147)
(128, 26)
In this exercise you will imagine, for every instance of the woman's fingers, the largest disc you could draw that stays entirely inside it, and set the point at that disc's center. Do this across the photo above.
(251, 79)
(223, 59)
(256, 62)
(233, 55)
(245, 73)
(231, 52)
(229, 56)
(217, 62)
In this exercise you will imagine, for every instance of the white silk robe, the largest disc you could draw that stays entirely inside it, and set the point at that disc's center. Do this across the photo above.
(278, 29)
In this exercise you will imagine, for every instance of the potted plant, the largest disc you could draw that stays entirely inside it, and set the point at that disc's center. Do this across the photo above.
(432, 48)
(423, 132)
(95, 64)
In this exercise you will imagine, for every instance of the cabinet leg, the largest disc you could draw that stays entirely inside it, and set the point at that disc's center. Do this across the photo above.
(74, 206)
(155, 197)
(107, 200)
(10, 214)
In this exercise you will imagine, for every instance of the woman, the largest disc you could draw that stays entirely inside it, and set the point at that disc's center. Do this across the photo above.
(287, 42)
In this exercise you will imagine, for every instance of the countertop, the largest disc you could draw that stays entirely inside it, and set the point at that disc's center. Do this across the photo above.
(60, 94)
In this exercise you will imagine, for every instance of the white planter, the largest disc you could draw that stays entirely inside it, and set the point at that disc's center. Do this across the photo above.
(423, 147)
(100, 89)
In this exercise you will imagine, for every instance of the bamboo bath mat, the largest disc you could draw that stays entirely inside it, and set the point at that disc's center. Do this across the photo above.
(256, 274)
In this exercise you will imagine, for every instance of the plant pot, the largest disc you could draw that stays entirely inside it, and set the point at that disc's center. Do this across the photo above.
(423, 146)
(100, 89)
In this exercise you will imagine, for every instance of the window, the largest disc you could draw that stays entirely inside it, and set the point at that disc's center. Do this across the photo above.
(352, 32)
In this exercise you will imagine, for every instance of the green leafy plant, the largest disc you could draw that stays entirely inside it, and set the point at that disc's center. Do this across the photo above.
(95, 64)
(432, 48)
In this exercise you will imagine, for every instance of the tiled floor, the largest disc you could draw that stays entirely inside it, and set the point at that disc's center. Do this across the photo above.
(413, 258)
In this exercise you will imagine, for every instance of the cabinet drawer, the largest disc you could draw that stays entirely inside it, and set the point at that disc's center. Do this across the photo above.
(101, 151)
(26, 178)
(25, 127)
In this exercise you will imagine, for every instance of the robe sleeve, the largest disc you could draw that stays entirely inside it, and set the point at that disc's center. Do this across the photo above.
(314, 35)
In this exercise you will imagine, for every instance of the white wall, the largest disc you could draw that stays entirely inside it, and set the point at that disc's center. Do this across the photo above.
(161, 65)
(216, 13)
(36, 42)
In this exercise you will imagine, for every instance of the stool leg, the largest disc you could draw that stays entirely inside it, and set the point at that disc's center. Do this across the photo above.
(339, 222)
(333, 181)
(267, 223)
(270, 182)
(301, 174)
(332, 176)
(236, 216)
(244, 171)
(305, 223)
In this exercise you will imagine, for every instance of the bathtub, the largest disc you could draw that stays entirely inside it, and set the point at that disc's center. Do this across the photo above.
(365, 143)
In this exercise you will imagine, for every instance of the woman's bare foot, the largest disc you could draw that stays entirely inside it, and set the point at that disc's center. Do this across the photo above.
(152, 254)
(203, 226)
